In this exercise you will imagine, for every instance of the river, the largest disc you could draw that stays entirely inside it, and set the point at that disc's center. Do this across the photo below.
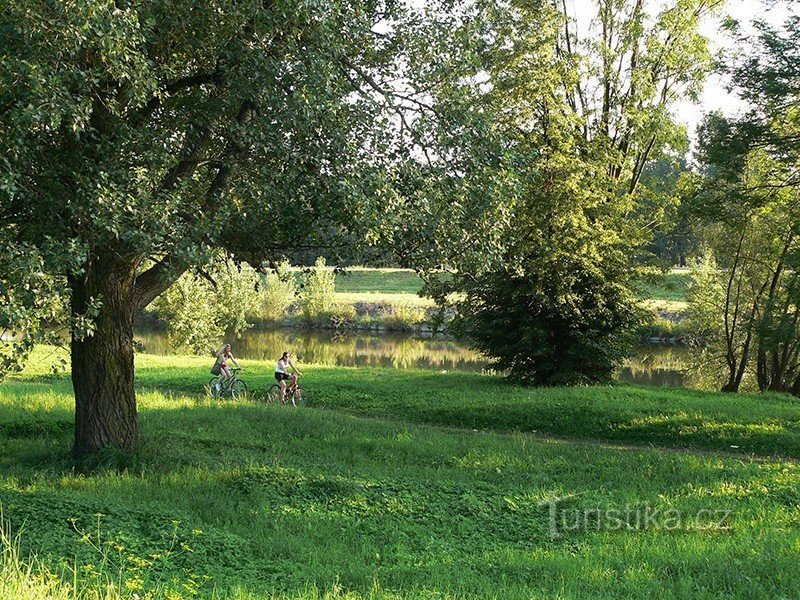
(653, 365)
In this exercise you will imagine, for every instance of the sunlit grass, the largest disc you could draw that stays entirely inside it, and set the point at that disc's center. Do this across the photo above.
(385, 297)
(274, 502)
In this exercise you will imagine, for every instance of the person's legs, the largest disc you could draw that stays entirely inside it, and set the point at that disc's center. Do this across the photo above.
(225, 375)
(283, 390)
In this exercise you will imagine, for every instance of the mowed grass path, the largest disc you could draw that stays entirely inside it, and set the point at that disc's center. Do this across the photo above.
(242, 500)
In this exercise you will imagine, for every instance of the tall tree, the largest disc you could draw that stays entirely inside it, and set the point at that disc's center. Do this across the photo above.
(138, 136)
(543, 218)
(749, 205)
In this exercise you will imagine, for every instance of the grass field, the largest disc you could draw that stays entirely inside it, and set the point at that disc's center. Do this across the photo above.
(360, 284)
(383, 297)
(671, 287)
(386, 281)
(394, 493)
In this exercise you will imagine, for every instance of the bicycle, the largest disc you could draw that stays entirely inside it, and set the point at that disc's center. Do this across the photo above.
(295, 395)
(232, 385)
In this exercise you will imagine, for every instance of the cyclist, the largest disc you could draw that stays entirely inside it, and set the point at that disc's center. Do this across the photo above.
(221, 367)
(282, 374)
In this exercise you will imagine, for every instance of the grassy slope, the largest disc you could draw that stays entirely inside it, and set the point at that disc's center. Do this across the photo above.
(387, 281)
(297, 501)
(760, 424)
(393, 298)
(671, 287)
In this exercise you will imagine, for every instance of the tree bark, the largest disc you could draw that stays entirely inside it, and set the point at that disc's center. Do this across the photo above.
(795, 391)
(102, 362)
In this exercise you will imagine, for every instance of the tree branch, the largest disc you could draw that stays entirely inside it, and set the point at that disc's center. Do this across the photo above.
(155, 280)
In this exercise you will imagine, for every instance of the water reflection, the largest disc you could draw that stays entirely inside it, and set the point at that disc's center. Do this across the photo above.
(652, 366)
(350, 349)
(658, 366)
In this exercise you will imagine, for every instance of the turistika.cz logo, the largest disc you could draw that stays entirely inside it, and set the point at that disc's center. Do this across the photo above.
(565, 520)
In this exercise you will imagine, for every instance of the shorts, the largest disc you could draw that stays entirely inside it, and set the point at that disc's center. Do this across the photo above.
(282, 376)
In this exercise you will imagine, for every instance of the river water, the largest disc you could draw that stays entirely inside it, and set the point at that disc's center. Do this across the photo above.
(652, 365)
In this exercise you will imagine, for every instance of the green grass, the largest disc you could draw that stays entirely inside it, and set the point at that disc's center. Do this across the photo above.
(671, 287)
(393, 298)
(401, 286)
(358, 280)
(762, 424)
(235, 499)
(386, 281)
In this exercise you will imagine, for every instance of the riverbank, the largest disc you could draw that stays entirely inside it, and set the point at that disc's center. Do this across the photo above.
(238, 500)
(388, 300)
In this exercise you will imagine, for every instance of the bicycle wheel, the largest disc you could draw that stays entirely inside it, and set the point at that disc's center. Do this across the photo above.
(238, 389)
(212, 387)
(274, 394)
(299, 397)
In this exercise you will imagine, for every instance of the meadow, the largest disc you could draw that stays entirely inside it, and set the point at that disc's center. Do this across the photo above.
(401, 286)
(399, 484)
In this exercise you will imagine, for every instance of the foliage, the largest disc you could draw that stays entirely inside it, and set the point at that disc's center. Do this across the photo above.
(549, 331)
(317, 292)
(26, 579)
(277, 291)
(138, 140)
(664, 184)
(30, 299)
(199, 312)
(706, 297)
(747, 203)
(402, 316)
(342, 315)
(538, 215)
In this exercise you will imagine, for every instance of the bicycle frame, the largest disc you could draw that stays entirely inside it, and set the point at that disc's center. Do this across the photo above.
(290, 389)
(228, 382)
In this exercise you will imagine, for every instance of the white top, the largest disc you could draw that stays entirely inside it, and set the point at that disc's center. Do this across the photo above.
(281, 367)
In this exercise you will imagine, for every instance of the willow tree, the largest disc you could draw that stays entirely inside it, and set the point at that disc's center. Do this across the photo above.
(138, 138)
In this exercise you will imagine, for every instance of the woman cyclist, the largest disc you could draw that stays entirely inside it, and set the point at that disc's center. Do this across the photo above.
(282, 374)
(221, 367)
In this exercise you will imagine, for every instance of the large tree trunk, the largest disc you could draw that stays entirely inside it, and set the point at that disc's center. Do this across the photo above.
(102, 363)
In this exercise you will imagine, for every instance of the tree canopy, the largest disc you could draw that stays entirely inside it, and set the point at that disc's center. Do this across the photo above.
(138, 138)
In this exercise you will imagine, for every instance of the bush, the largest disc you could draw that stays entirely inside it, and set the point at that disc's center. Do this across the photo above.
(198, 314)
(278, 291)
(342, 315)
(403, 316)
(566, 324)
(318, 293)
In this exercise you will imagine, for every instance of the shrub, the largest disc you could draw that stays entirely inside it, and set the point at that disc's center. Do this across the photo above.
(198, 314)
(561, 324)
(278, 291)
(403, 315)
(319, 287)
(342, 314)
(187, 310)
